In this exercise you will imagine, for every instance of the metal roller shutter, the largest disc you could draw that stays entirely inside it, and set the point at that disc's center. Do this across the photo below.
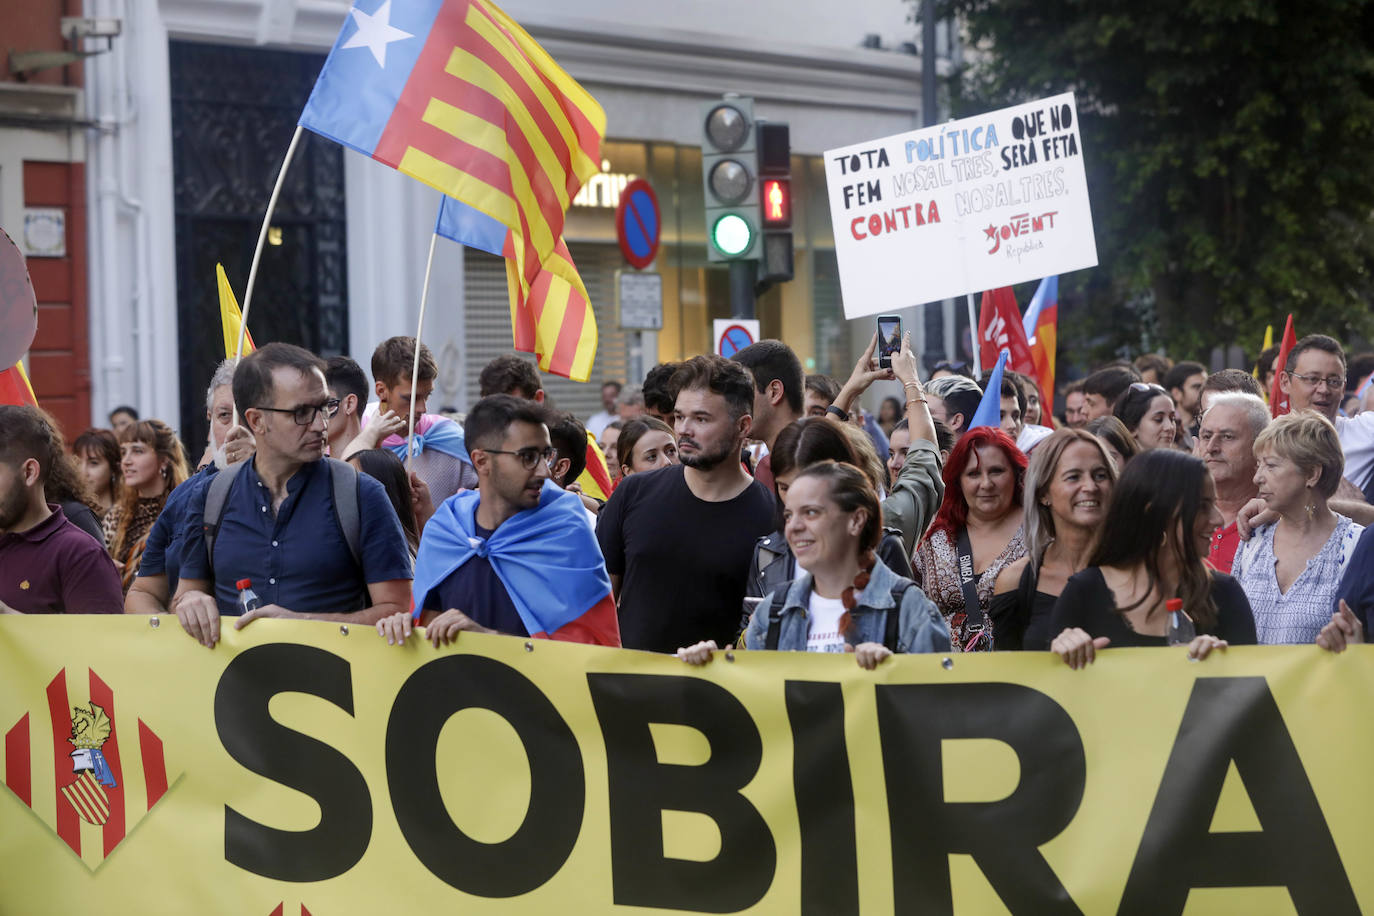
(488, 332)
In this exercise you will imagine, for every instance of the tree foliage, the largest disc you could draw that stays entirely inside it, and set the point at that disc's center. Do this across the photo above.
(1228, 146)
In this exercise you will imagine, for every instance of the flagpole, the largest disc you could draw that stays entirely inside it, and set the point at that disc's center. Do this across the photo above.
(262, 239)
(415, 370)
(973, 337)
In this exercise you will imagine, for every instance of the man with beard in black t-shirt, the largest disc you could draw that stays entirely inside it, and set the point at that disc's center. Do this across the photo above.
(678, 540)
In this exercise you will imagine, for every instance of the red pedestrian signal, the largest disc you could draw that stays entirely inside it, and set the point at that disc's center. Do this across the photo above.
(777, 203)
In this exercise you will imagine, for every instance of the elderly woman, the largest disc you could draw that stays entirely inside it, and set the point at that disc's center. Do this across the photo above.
(847, 600)
(1157, 531)
(1147, 412)
(1070, 482)
(975, 535)
(1290, 568)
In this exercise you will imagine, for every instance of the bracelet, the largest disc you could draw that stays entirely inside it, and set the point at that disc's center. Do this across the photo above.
(832, 409)
(917, 401)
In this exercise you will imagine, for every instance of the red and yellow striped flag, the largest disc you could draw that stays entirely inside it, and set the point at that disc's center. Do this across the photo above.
(15, 387)
(553, 318)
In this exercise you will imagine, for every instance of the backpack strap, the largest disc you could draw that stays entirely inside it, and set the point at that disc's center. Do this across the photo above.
(770, 641)
(216, 495)
(344, 479)
(894, 616)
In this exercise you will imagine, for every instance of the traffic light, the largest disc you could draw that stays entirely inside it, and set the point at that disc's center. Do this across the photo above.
(729, 174)
(775, 196)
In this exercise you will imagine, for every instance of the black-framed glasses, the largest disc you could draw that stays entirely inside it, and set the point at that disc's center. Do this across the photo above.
(528, 456)
(305, 414)
(1333, 382)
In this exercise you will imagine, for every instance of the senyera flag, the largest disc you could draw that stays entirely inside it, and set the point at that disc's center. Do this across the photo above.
(595, 479)
(455, 94)
(548, 559)
(1278, 398)
(553, 317)
(15, 387)
(1041, 326)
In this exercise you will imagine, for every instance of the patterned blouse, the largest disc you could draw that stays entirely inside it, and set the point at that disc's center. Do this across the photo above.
(936, 568)
(1294, 618)
(129, 551)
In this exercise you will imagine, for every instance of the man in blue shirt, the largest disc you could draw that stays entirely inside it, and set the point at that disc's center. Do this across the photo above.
(1354, 599)
(279, 526)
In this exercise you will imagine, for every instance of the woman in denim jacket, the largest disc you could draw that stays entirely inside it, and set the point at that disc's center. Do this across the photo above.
(846, 599)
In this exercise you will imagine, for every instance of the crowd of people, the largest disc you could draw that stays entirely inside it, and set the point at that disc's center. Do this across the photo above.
(723, 503)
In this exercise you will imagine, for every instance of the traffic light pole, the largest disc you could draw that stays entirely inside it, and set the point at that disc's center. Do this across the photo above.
(742, 276)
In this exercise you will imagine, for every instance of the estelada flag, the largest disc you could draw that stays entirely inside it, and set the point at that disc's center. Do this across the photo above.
(455, 94)
(15, 387)
(547, 558)
(1278, 400)
(230, 318)
(595, 479)
(1041, 326)
(1000, 328)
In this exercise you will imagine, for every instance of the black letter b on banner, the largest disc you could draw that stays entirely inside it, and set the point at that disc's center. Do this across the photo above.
(1002, 836)
(641, 789)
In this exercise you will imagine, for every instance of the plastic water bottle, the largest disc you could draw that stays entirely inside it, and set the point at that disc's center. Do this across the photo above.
(1181, 630)
(248, 599)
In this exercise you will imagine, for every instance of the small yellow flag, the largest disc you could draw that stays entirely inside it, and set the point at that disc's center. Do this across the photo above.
(1268, 342)
(230, 317)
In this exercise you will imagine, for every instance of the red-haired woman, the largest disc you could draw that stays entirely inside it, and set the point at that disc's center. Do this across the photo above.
(975, 535)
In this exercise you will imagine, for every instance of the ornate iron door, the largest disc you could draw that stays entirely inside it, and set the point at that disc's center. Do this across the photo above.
(233, 113)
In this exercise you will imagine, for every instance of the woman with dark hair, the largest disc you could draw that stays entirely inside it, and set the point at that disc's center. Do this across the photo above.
(645, 444)
(96, 452)
(975, 535)
(1147, 412)
(1157, 531)
(889, 412)
(382, 465)
(847, 600)
(799, 446)
(1069, 483)
(1118, 439)
(154, 463)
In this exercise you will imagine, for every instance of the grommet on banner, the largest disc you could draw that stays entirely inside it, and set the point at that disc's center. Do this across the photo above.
(529, 646)
(729, 656)
(947, 663)
(343, 629)
(154, 622)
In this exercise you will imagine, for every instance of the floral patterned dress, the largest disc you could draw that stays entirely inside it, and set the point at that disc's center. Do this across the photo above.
(936, 568)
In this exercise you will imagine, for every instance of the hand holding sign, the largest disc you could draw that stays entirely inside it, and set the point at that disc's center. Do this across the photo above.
(18, 306)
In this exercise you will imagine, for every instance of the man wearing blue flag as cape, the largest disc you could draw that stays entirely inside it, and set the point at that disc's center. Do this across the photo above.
(517, 556)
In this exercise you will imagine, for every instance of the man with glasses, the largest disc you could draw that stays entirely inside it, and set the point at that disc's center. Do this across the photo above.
(517, 557)
(1314, 378)
(280, 524)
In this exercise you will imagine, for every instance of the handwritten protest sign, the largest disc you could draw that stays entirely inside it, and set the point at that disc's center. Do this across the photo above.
(962, 207)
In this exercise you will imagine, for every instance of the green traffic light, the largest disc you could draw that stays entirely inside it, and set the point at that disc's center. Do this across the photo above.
(732, 235)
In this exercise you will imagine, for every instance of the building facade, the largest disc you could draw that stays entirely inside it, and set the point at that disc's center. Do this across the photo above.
(192, 108)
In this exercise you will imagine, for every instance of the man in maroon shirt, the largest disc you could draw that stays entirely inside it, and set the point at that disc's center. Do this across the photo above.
(47, 564)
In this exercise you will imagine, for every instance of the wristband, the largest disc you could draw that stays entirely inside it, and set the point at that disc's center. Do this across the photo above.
(832, 409)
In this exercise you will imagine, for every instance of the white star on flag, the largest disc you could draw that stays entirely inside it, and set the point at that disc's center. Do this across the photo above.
(375, 32)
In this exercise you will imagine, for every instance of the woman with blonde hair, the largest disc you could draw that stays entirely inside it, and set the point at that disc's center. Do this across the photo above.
(154, 464)
(1068, 485)
(1290, 568)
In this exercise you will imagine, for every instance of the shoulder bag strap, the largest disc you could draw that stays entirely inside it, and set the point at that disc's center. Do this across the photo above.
(894, 616)
(344, 479)
(964, 551)
(770, 641)
(216, 495)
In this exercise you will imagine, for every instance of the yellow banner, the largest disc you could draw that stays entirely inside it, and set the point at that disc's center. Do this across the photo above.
(309, 767)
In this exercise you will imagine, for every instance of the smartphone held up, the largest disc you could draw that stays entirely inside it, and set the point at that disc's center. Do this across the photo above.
(889, 339)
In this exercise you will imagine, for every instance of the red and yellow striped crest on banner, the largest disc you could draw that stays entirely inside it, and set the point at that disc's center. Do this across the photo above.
(505, 130)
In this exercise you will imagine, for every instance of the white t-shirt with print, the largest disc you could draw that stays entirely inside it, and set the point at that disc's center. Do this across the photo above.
(823, 624)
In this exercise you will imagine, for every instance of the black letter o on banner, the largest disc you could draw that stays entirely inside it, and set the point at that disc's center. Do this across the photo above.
(545, 839)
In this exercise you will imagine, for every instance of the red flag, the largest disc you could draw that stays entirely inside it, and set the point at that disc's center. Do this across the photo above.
(15, 387)
(999, 328)
(1278, 400)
